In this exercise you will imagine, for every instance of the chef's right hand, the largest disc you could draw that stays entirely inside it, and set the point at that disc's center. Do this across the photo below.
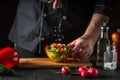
(82, 47)
(56, 3)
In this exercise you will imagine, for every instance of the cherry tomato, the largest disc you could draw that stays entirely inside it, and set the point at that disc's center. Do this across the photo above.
(61, 49)
(54, 45)
(47, 47)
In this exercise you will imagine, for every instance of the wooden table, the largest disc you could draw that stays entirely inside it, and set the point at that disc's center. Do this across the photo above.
(50, 74)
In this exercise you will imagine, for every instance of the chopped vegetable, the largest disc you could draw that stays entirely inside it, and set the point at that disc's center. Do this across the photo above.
(57, 48)
(57, 51)
(6, 71)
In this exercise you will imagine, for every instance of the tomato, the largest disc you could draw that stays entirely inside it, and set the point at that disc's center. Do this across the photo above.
(93, 72)
(47, 47)
(65, 70)
(54, 45)
(61, 49)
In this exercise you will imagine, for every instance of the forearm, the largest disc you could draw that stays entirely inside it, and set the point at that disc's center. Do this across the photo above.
(96, 22)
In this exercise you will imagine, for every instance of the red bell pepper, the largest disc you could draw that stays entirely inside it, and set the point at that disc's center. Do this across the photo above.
(9, 57)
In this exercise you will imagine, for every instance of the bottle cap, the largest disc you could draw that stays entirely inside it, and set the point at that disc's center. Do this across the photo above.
(104, 28)
(111, 47)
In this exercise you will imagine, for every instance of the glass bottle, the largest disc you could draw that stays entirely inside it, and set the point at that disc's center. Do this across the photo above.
(110, 58)
(116, 42)
(103, 41)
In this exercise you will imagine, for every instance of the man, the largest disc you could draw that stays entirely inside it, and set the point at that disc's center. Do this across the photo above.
(41, 22)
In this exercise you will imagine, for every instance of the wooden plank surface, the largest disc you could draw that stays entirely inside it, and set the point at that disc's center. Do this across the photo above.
(47, 63)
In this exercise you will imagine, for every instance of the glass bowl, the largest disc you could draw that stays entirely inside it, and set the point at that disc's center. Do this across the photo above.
(57, 52)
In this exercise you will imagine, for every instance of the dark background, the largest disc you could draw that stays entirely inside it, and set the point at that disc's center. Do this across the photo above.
(7, 14)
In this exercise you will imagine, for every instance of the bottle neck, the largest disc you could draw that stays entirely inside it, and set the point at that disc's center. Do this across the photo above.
(104, 32)
(111, 48)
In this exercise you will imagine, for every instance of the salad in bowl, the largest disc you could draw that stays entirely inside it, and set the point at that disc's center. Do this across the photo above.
(57, 52)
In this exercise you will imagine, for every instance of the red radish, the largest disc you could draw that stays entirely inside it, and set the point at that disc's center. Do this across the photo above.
(65, 70)
(88, 72)
(81, 68)
(93, 72)
(85, 73)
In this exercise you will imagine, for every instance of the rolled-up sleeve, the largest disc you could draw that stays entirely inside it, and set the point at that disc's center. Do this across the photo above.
(104, 7)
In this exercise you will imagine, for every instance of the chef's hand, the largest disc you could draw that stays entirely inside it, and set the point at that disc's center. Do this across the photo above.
(56, 3)
(82, 47)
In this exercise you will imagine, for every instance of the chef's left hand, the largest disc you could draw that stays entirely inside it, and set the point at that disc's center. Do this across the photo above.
(82, 47)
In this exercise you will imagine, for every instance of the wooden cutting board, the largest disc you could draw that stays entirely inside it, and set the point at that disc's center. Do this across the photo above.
(47, 63)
